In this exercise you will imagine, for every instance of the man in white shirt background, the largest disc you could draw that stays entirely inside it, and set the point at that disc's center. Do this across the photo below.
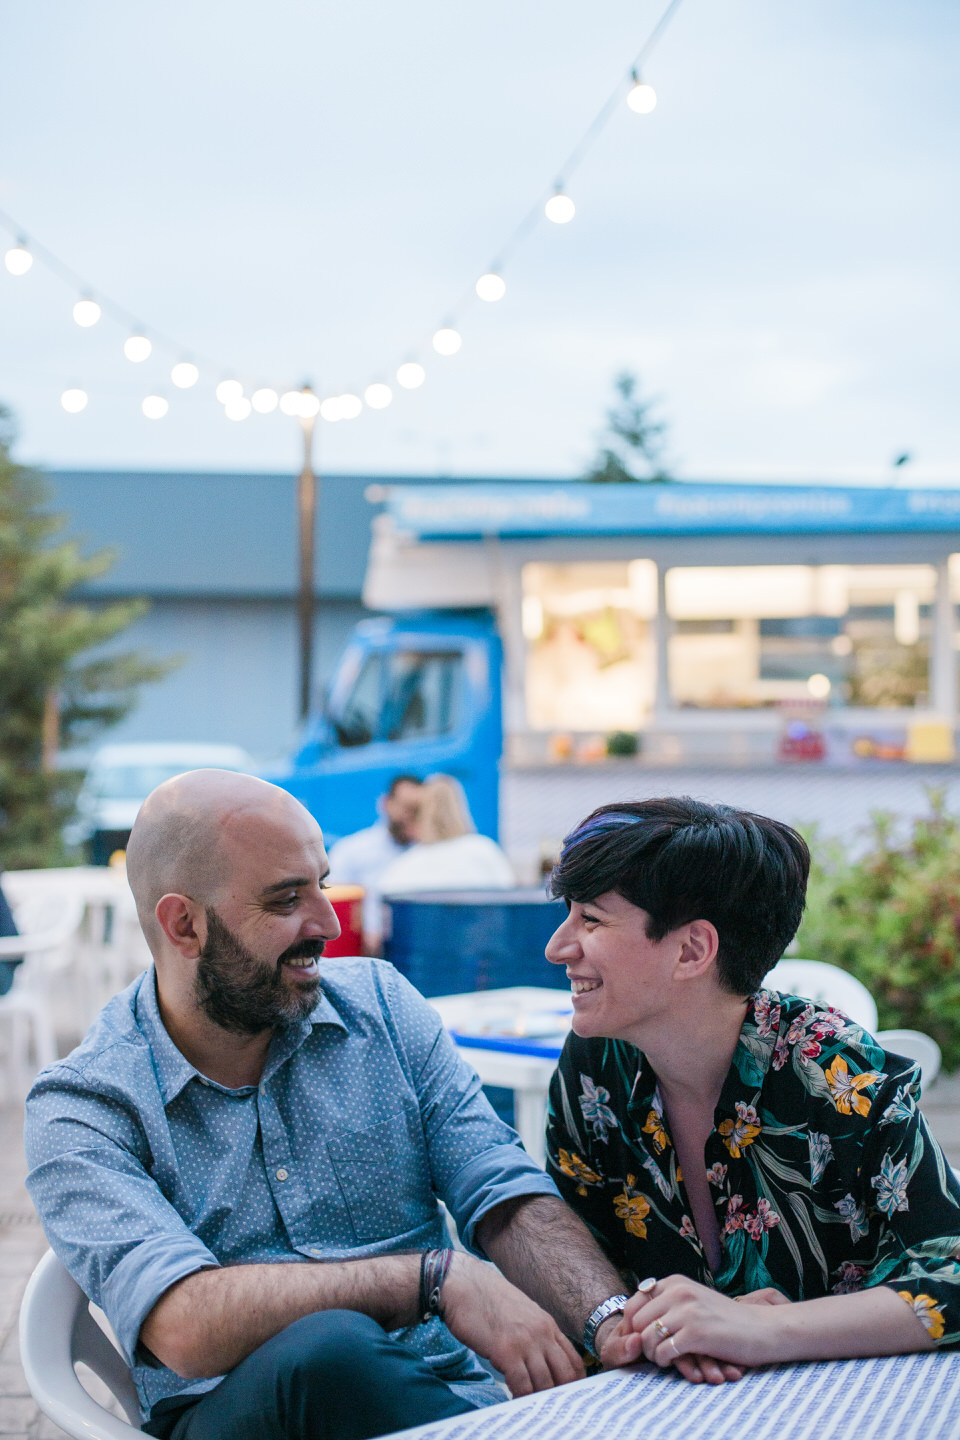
(361, 858)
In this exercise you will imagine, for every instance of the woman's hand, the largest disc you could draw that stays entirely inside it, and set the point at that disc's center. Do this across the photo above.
(705, 1335)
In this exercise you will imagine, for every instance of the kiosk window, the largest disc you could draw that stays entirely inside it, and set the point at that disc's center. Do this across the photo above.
(422, 694)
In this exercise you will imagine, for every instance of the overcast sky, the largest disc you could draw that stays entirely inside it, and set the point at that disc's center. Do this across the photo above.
(298, 188)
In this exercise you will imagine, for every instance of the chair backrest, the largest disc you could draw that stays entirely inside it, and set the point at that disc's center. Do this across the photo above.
(916, 1046)
(827, 985)
(56, 1331)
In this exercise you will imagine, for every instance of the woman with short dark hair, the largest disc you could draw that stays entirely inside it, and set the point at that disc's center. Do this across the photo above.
(730, 1143)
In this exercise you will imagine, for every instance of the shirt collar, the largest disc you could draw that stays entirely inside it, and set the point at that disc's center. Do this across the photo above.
(174, 1071)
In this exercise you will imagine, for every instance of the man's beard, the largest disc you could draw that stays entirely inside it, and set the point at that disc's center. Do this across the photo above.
(240, 993)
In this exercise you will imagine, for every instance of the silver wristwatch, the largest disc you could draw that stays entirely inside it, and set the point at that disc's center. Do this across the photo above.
(613, 1306)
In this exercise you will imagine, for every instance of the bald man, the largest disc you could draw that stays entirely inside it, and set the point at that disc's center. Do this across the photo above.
(241, 1163)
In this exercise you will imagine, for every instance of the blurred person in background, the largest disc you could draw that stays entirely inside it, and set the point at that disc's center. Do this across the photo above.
(8, 926)
(449, 854)
(361, 858)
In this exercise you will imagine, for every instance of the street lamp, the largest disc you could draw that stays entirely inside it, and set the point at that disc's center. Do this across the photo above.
(307, 495)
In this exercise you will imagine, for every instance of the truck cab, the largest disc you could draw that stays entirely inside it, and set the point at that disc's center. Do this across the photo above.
(412, 694)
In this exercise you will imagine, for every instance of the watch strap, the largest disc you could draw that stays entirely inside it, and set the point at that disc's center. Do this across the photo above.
(613, 1306)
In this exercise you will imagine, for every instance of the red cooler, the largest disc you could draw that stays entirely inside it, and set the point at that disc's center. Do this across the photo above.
(347, 901)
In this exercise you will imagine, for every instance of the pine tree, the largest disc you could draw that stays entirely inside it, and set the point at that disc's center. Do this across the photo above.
(634, 440)
(51, 698)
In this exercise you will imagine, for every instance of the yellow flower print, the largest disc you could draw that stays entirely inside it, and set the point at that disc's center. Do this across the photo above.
(927, 1311)
(632, 1210)
(654, 1127)
(845, 1088)
(738, 1134)
(577, 1169)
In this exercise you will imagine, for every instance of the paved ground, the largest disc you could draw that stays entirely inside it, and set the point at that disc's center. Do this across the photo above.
(22, 1244)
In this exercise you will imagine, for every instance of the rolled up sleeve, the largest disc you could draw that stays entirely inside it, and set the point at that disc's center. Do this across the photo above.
(476, 1161)
(104, 1216)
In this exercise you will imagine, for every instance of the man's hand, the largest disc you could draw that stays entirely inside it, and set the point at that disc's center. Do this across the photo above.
(493, 1317)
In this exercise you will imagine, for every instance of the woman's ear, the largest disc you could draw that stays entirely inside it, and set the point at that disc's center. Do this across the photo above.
(698, 953)
(183, 924)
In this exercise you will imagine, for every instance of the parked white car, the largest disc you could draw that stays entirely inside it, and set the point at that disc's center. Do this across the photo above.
(120, 778)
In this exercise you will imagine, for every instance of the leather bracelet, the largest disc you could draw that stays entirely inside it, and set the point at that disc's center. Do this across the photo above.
(613, 1306)
(434, 1265)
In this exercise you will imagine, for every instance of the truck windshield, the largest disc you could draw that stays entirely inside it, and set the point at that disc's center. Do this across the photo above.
(401, 695)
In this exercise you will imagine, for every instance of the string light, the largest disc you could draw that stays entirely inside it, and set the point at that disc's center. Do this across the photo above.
(491, 286)
(86, 313)
(447, 341)
(378, 395)
(264, 401)
(73, 401)
(137, 348)
(411, 375)
(560, 208)
(642, 97)
(238, 408)
(331, 410)
(18, 259)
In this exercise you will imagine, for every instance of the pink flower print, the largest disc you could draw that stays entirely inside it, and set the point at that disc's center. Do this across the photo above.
(810, 1049)
(781, 1053)
(688, 1229)
(735, 1215)
(717, 1173)
(767, 1214)
(766, 1012)
(850, 1278)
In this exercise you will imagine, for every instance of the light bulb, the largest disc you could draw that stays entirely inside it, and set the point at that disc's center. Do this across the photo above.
(819, 686)
(350, 406)
(18, 260)
(491, 287)
(184, 375)
(560, 208)
(237, 408)
(378, 396)
(642, 98)
(309, 405)
(73, 401)
(229, 390)
(155, 407)
(86, 313)
(447, 341)
(264, 401)
(137, 348)
(290, 402)
(411, 375)
(331, 409)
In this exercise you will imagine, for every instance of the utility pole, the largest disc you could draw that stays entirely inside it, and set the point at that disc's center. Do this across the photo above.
(307, 500)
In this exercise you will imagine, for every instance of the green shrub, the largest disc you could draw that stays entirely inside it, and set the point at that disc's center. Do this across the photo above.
(892, 918)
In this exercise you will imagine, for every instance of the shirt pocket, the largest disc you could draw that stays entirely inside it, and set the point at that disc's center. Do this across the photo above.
(384, 1177)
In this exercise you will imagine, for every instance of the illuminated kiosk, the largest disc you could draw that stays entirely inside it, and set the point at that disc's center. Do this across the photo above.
(731, 625)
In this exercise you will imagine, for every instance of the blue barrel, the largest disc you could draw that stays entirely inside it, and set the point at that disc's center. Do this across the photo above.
(453, 941)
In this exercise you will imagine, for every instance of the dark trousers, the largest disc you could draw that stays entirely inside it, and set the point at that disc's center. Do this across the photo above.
(335, 1375)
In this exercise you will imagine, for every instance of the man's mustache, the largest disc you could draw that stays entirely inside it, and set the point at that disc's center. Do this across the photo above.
(303, 950)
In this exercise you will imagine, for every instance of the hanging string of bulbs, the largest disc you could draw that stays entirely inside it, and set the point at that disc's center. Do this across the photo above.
(555, 204)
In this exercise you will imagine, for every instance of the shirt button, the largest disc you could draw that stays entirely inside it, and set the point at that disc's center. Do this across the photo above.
(281, 1173)
(315, 1251)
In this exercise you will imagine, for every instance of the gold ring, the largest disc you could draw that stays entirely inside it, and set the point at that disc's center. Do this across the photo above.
(647, 1287)
(661, 1330)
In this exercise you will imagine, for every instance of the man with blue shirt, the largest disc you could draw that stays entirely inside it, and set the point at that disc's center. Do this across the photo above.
(241, 1162)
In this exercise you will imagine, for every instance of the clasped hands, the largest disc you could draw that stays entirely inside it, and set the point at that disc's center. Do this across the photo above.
(706, 1336)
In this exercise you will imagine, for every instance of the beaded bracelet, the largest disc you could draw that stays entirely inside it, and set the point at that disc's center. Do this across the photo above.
(434, 1265)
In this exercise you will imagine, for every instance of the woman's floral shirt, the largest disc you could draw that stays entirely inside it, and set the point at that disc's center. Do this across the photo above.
(823, 1173)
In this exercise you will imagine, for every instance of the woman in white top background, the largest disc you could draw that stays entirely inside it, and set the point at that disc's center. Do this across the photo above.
(448, 853)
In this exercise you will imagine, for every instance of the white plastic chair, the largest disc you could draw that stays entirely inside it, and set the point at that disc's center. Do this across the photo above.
(916, 1046)
(58, 1331)
(49, 923)
(827, 985)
